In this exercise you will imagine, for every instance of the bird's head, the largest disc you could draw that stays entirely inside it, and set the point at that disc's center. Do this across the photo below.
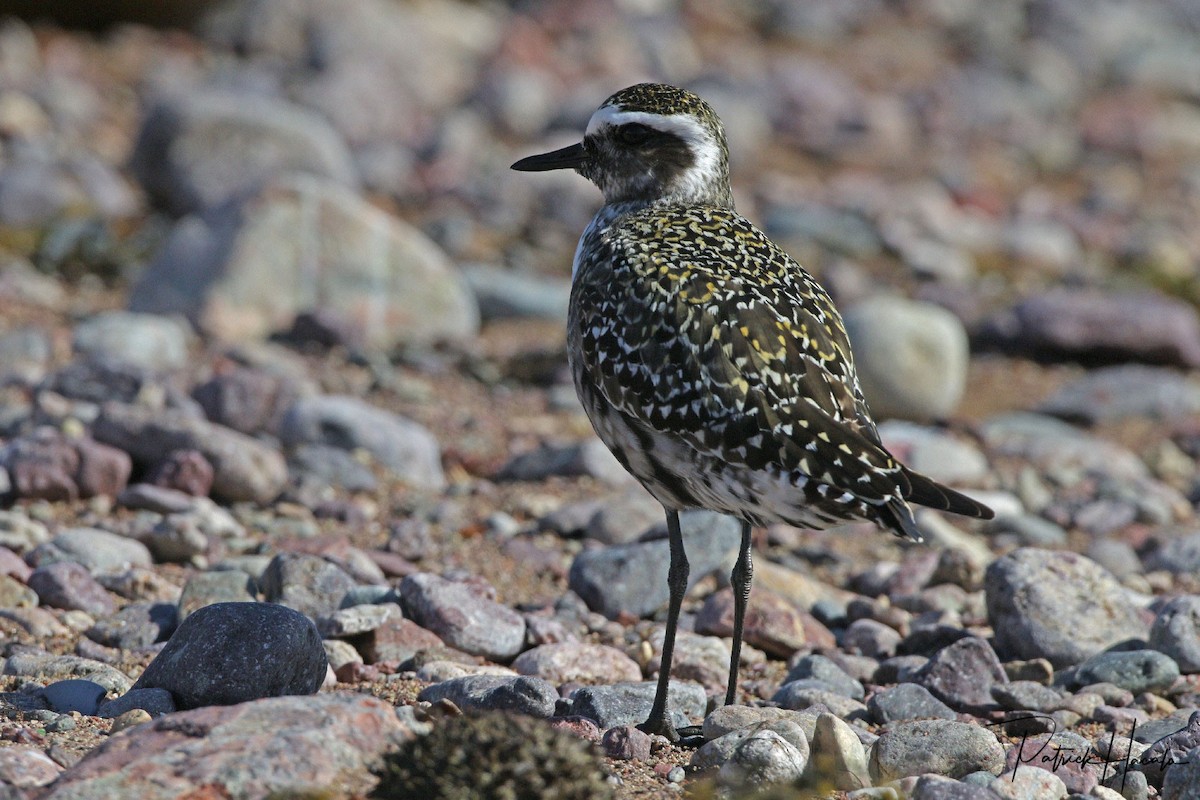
(650, 142)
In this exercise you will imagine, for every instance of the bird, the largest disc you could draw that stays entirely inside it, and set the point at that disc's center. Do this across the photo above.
(714, 367)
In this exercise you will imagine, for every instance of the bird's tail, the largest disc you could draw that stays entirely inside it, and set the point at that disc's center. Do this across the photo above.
(928, 492)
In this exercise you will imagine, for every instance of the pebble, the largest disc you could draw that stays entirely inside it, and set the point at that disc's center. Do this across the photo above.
(1077, 324)
(137, 625)
(1056, 605)
(504, 294)
(1179, 555)
(245, 469)
(945, 747)
(1167, 746)
(1111, 394)
(186, 471)
(911, 357)
(1026, 696)
(15, 594)
(825, 669)
(316, 742)
(146, 341)
(802, 694)
(398, 640)
(155, 702)
(565, 662)
(391, 284)
(405, 447)
(721, 749)
(47, 465)
(218, 586)
(198, 150)
(587, 458)
(68, 585)
(626, 743)
(773, 624)
(726, 719)
(74, 694)
(1134, 670)
(763, 759)
(871, 638)
(963, 674)
(358, 619)
(44, 666)
(1057, 448)
(838, 755)
(19, 533)
(1176, 632)
(521, 694)
(23, 768)
(1059, 753)
(632, 578)
(463, 616)
(230, 653)
(904, 702)
(629, 703)
(101, 551)
(310, 584)
(932, 452)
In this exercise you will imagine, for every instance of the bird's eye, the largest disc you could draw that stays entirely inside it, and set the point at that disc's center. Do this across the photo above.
(633, 134)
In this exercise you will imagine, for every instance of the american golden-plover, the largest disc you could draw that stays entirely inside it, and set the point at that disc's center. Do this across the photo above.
(714, 367)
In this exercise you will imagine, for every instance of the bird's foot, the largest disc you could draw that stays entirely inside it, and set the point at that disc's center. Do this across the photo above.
(687, 736)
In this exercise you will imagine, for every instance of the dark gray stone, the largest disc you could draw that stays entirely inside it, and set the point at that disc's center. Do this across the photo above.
(907, 701)
(463, 616)
(154, 702)
(307, 583)
(519, 694)
(136, 625)
(629, 703)
(1026, 696)
(962, 675)
(632, 578)
(230, 653)
(1136, 670)
(1176, 632)
(74, 694)
(824, 669)
(217, 586)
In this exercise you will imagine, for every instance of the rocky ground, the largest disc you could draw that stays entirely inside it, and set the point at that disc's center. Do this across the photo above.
(293, 482)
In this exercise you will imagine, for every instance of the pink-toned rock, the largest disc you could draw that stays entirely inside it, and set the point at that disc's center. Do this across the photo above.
(582, 727)
(26, 767)
(103, 470)
(186, 471)
(12, 564)
(398, 640)
(321, 744)
(773, 624)
(578, 661)
(626, 743)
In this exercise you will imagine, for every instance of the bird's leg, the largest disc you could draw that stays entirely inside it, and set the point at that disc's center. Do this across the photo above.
(743, 573)
(677, 579)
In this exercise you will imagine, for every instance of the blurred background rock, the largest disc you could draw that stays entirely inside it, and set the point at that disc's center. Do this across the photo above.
(244, 162)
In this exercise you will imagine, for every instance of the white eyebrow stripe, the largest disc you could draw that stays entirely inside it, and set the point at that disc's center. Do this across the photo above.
(682, 125)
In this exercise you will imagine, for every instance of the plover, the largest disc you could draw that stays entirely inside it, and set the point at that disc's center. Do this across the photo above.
(710, 362)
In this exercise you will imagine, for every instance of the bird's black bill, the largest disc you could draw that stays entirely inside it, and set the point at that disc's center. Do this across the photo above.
(565, 158)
